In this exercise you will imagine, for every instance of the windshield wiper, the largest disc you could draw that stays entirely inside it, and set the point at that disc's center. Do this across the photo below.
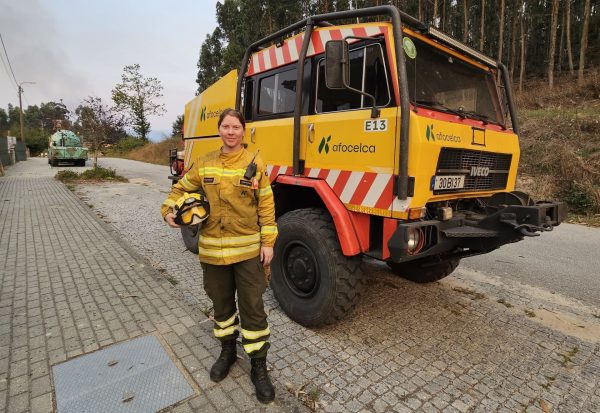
(484, 118)
(436, 104)
(458, 112)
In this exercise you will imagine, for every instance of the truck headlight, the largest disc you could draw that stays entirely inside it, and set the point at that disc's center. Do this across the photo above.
(414, 240)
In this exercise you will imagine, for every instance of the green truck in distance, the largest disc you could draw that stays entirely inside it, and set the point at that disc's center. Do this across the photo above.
(65, 146)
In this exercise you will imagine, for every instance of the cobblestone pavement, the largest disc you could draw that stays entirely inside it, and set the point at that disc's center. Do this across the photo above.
(467, 343)
(69, 286)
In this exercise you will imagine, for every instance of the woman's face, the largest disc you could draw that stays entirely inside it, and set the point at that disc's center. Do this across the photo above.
(231, 132)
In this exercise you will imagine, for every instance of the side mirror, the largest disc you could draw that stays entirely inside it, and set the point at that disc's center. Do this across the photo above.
(337, 68)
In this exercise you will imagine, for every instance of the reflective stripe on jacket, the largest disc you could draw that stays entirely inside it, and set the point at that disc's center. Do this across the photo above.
(242, 211)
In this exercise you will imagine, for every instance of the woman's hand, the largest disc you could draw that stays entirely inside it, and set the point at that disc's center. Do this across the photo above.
(170, 220)
(266, 255)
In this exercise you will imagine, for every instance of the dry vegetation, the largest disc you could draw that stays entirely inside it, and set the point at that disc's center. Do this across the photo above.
(157, 153)
(560, 143)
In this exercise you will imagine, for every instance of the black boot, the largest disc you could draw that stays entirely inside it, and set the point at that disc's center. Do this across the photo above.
(228, 356)
(265, 392)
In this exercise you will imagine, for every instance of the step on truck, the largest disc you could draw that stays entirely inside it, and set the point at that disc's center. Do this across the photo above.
(386, 139)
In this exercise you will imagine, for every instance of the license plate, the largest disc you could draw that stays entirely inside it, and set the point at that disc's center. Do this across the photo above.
(449, 182)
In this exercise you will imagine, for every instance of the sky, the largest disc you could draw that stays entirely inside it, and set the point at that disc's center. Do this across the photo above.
(73, 49)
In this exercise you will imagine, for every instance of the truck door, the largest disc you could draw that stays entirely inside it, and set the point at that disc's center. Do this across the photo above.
(270, 99)
(343, 144)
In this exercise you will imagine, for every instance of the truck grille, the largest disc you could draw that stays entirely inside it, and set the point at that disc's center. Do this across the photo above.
(491, 169)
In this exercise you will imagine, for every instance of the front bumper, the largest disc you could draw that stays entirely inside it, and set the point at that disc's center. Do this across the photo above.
(468, 233)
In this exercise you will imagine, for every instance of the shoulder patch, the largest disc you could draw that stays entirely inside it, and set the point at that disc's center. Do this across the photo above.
(208, 179)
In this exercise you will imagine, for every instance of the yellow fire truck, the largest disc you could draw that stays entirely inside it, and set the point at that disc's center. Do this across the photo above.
(384, 139)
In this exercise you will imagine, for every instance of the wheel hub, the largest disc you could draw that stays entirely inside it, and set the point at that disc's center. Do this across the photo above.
(301, 270)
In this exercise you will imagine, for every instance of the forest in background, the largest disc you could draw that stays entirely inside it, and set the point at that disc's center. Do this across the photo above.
(534, 38)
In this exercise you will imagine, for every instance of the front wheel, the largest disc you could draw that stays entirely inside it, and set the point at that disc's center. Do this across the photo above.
(313, 281)
(425, 270)
(190, 234)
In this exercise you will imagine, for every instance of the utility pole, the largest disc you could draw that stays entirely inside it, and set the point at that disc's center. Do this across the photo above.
(21, 108)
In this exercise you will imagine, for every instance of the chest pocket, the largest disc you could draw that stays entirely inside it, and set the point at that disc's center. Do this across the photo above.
(243, 193)
(210, 184)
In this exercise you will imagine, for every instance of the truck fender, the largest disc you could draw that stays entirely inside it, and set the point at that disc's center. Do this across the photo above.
(340, 215)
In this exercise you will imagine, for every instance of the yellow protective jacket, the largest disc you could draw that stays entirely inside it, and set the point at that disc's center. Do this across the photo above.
(242, 211)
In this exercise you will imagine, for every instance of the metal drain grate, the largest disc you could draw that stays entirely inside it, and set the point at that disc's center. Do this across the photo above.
(135, 376)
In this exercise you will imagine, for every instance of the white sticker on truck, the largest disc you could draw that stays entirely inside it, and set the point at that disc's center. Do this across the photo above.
(376, 125)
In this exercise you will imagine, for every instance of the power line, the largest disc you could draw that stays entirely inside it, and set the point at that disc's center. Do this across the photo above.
(10, 80)
(8, 59)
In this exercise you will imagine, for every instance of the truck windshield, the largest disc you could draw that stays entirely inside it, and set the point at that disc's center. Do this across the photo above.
(442, 82)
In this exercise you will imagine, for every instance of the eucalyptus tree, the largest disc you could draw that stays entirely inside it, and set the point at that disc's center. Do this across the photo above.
(136, 98)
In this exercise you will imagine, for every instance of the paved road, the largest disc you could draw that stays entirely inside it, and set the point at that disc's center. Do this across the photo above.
(565, 261)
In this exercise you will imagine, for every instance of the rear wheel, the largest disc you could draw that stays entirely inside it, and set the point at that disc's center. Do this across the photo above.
(425, 270)
(190, 234)
(313, 281)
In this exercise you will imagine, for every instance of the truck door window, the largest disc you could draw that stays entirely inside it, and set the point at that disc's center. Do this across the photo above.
(367, 73)
(249, 99)
(277, 93)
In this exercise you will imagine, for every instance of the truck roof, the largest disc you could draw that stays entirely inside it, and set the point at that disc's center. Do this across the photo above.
(286, 52)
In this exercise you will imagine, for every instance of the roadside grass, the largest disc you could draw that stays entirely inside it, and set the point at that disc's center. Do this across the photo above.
(505, 303)
(151, 152)
(568, 357)
(560, 144)
(91, 175)
(172, 280)
(307, 394)
(472, 294)
(550, 380)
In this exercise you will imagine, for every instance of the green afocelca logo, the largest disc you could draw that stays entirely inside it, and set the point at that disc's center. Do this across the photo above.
(324, 144)
(429, 133)
(203, 114)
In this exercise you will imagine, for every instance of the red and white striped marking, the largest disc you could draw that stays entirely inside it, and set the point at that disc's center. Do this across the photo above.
(367, 189)
(290, 50)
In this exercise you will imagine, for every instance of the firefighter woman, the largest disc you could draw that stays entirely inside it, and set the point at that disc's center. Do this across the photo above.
(235, 245)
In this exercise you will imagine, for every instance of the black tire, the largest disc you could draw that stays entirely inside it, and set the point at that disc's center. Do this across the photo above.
(313, 281)
(190, 236)
(54, 162)
(425, 270)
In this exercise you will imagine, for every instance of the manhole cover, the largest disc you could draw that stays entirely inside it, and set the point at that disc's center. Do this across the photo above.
(135, 376)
